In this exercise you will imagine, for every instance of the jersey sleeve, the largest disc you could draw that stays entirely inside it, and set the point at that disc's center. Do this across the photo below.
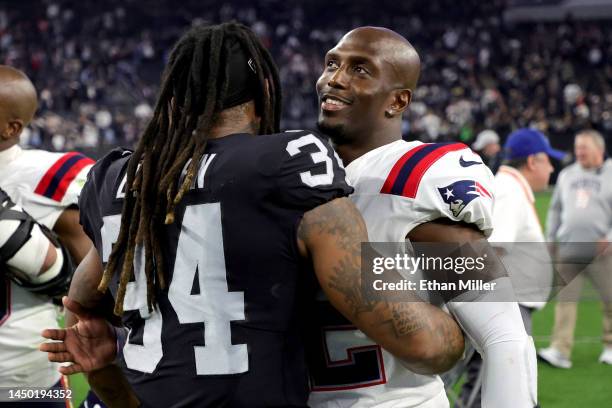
(457, 186)
(310, 172)
(98, 189)
(54, 182)
(438, 180)
(63, 181)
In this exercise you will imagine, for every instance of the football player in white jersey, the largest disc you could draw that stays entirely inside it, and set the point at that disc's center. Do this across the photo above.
(46, 185)
(415, 191)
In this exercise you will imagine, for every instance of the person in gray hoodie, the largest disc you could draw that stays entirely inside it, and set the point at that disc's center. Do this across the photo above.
(580, 222)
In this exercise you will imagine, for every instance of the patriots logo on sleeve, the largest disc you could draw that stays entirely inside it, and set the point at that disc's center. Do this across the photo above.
(460, 193)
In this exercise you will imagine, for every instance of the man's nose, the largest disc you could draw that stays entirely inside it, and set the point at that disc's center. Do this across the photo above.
(338, 79)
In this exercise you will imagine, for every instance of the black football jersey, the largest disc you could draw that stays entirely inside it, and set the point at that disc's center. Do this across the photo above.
(227, 329)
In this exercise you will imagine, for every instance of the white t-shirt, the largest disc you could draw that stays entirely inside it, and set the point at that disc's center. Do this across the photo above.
(518, 231)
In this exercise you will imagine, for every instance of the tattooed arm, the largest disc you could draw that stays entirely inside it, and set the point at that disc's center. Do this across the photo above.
(424, 337)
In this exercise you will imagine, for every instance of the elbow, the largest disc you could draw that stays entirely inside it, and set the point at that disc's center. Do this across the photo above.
(434, 357)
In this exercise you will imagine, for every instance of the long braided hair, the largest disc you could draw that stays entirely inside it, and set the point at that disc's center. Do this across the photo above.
(194, 85)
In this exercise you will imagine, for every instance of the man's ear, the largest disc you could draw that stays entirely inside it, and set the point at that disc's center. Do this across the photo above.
(13, 129)
(401, 100)
(531, 160)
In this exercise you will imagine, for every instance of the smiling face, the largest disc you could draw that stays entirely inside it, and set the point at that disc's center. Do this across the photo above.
(588, 153)
(364, 86)
(353, 90)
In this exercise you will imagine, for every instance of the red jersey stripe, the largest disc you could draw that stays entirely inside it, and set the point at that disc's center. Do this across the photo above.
(70, 175)
(412, 184)
(46, 179)
(483, 190)
(392, 177)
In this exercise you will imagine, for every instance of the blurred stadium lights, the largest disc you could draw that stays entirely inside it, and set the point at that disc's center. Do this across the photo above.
(557, 10)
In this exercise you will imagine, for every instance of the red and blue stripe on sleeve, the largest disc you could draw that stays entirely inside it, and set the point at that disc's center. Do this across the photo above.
(57, 179)
(406, 174)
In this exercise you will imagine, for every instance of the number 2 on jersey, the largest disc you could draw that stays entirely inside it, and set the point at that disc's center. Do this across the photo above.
(199, 251)
(340, 357)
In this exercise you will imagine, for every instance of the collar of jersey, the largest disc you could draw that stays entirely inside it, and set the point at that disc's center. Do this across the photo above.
(223, 139)
(371, 153)
(10, 154)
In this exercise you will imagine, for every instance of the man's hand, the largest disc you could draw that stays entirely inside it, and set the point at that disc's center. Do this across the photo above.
(90, 344)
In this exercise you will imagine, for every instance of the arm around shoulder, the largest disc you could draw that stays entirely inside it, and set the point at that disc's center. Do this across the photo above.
(424, 337)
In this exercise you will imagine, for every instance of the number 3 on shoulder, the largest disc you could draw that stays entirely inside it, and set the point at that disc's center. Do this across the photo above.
(294, 147)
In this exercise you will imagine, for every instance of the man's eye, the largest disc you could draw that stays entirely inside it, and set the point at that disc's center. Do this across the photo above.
(332, 64)
(360, 70)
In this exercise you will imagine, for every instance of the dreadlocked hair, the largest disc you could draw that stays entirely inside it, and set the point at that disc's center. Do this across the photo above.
(194, 85)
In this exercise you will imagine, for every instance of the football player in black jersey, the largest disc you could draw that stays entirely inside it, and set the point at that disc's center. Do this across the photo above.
(210, 236)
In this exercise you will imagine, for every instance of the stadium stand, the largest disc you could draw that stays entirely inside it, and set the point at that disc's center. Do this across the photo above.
(95, 64)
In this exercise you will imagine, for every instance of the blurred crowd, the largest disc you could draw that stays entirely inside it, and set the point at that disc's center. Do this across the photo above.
(97, 65)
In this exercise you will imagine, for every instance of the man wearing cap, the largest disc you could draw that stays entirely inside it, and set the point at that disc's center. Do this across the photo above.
(487, 146)
(580, 222)
(517, 234)
(526, 169)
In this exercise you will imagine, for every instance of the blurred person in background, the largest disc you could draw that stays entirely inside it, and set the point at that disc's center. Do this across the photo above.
(488, 147)
(526, 169)
(580, 222)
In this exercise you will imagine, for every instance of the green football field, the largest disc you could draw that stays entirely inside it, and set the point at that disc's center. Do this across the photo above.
(588, 384)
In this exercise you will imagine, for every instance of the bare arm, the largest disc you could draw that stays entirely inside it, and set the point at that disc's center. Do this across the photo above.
(84, 285)
(70, 232)
(427, 339)
(91, 346)
(113, 388)
(105, 379)
(87, 276)
(445, 231)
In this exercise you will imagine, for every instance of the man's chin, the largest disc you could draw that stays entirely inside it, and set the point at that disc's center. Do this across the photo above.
(334, 131)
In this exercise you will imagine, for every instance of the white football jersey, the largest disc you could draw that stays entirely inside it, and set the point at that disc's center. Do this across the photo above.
(44, 184)
(399, 186)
